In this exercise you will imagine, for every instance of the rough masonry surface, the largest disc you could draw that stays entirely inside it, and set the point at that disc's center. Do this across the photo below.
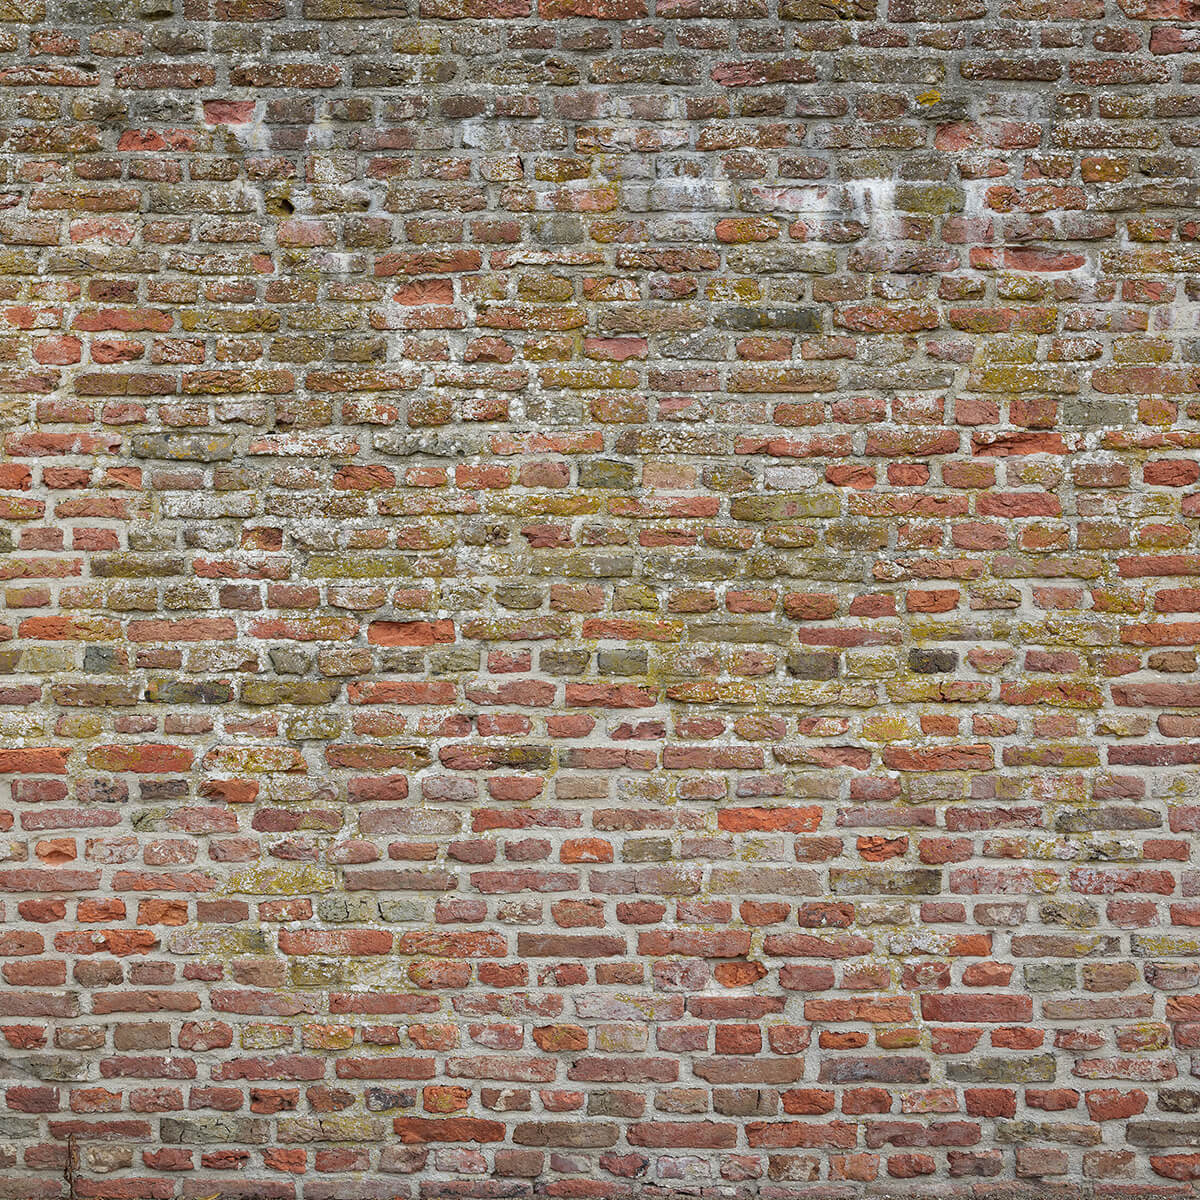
(601, 599)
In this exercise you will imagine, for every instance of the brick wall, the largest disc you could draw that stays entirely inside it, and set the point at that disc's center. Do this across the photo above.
(600, 601)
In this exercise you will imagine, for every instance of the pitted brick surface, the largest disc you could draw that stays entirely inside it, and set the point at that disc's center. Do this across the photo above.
(601, 599)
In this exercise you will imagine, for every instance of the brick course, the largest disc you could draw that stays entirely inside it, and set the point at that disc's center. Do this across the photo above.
(600, 599)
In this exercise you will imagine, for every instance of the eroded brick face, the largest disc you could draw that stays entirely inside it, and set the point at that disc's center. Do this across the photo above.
(601, 599)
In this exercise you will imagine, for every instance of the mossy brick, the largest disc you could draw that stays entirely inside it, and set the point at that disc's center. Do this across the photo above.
(1039, 1068)
(542, 544)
